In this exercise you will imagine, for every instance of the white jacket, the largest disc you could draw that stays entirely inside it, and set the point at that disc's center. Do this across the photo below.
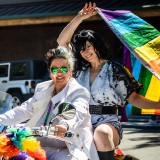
(82, 146)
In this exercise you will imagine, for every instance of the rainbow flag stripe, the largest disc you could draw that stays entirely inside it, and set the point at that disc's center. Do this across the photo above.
(150, 90)
(141, 38)
(151, 84)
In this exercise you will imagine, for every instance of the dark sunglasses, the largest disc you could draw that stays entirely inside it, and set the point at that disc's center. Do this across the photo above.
(54, 70)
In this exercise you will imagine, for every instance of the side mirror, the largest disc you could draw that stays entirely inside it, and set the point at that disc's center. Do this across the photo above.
(67, 110)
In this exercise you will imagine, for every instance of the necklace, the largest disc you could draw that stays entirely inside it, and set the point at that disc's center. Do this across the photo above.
(49, 109)
(54, 93)
(48, 113)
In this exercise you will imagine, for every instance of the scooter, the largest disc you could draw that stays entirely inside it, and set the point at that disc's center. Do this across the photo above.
(20, 143)
(10, 149)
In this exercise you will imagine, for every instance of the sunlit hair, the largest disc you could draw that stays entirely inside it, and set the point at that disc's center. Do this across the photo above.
(60, 52)
(79, 44)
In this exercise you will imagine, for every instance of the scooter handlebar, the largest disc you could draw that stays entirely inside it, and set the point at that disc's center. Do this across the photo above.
(42, 131)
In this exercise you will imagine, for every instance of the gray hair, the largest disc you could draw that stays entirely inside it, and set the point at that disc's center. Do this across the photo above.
(60, 52)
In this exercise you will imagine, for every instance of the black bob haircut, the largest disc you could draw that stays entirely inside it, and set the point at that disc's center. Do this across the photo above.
(79, 44)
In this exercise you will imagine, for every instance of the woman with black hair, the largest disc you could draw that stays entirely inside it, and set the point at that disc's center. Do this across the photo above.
(109, 83)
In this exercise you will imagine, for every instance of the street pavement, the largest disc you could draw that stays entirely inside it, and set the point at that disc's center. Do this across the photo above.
(141, 139)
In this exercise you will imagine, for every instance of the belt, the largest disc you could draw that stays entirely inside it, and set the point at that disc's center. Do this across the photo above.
(99, 109)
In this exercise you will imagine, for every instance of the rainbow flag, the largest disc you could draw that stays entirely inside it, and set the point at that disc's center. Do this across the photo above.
(151, 84)
(141, 39)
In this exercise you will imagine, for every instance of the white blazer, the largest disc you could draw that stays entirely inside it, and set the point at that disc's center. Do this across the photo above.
(82, 146)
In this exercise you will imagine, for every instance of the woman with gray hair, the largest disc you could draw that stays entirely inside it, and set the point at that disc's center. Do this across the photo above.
(43, 106)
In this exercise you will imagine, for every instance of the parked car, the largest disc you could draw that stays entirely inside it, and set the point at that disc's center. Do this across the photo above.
(19, 78)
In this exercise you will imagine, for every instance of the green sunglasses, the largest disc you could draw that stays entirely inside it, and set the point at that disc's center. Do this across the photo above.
(54, 70)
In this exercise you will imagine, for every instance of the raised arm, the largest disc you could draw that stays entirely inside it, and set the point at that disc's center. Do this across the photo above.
(65, 36)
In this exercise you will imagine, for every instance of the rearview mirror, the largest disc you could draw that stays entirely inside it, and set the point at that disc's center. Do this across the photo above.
(67, 110)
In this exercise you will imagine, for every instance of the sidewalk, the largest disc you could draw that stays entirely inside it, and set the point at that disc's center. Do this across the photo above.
(141, 122)
(141, 139)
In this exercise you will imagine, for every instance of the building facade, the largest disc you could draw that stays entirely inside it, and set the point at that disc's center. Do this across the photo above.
(28, 28)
